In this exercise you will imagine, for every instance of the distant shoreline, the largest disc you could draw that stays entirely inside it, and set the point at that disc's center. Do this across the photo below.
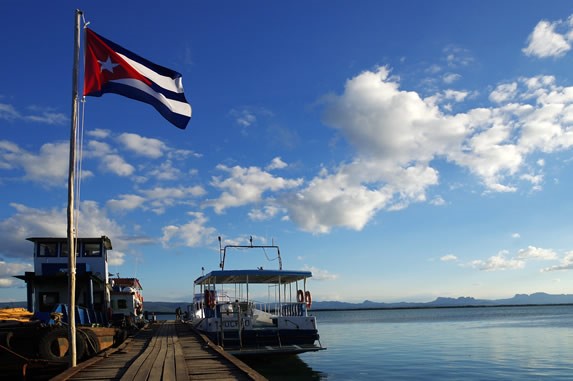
(436, 307)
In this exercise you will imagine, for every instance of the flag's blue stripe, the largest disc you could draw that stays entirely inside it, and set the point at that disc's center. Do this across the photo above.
(156, 68)
(178, 120)
(168, 93)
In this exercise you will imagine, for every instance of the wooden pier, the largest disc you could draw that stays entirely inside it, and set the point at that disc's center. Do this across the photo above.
(168, 350)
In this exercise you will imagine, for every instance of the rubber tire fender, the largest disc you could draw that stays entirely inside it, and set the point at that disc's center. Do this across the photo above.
(47, 343)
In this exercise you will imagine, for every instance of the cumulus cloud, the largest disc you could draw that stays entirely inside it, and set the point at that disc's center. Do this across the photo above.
(504, 261)
(245, 185)
(320, 274)
(450, 78)
(499, 262)
(265, 213)
(276, 163)
(32, 222)
(544, 41)
(142, 146)
(156, 199)
(125, 202)
(191, 234)
(537, 253)
(9, 269)
(52, 158)
(566, 263)
(503, 92)
(116, 258)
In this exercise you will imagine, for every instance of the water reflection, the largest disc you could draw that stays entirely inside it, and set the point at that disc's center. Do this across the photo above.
(284, 368)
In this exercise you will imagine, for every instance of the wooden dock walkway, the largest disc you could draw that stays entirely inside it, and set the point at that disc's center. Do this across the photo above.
(169, 351)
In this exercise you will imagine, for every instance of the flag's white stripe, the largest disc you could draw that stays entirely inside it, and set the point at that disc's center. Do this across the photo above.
(177, 107)
(167, 83)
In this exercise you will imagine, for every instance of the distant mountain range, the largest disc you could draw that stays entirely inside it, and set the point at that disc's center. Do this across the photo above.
(538, 298)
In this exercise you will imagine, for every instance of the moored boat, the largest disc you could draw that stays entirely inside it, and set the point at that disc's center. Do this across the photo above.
(256, 311)
(38, 335)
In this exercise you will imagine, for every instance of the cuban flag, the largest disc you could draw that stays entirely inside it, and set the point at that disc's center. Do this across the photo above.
(109, 68)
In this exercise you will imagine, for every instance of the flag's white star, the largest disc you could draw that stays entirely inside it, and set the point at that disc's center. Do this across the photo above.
(107, 65)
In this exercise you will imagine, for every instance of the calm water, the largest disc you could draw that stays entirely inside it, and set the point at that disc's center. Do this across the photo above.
(502, 343)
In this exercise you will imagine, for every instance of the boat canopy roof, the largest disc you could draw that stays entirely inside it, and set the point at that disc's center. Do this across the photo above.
(253, 276)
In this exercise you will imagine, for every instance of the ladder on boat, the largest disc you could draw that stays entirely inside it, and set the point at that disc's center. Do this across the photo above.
(231, 329)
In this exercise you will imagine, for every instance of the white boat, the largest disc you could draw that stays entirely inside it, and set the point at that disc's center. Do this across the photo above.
(127, 301)
(255, 312)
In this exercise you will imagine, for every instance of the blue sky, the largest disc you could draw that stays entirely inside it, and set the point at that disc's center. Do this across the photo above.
(400, 150)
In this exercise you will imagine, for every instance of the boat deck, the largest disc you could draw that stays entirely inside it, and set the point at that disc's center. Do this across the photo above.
(167, 350)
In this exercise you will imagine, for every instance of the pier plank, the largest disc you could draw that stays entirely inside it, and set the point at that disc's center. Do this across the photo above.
(170, 351)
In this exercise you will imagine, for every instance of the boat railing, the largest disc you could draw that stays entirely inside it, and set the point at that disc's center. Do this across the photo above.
(246, 308)
(283, 309)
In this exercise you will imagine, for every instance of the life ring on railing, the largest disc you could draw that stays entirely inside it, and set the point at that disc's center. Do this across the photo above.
(300, 296)
(308, 299)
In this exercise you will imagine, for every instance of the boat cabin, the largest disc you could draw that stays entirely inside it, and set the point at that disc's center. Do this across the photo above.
(47, 285)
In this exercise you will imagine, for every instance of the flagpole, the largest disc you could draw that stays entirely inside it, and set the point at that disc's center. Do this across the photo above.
(71, 176)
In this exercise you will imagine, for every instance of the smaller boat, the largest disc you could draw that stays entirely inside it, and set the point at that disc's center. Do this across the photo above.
(255, 312)
(126, 302)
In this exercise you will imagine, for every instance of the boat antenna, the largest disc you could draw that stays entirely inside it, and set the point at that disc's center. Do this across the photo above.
(221, 257)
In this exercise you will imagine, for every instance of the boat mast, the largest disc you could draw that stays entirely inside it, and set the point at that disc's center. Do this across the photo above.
(71, 209)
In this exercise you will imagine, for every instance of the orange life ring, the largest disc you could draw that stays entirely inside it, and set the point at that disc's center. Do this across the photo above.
(308, 299)
(300, 296)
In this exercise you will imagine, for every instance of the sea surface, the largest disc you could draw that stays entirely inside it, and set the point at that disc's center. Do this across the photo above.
(480, 343)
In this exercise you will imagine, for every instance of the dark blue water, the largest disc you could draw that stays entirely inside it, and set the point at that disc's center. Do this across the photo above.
(501, 343)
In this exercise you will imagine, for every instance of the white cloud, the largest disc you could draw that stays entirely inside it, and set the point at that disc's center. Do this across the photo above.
(244, 186)
(266, 213)
(31, 222)
(565, 264)
(450, 78)
(37, 115)
(448, 258)
(499, 262)
(191, 234)
(532, 252)
(545, 42)
(125, 202)
(457, 56)
(142, 146)
(9, 269)
(396, 136)
(244, 117)
(248, 116)
(161, 198)
(52, 159)
(98, 133)
(116, 258)
(117, 165)
(276, 163)
(503, 93)
(320, 274)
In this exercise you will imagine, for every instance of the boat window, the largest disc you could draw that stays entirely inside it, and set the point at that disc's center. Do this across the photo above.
(48, 301)
(47, 250)
(91, 250)
(64, 250)
(122, 304)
